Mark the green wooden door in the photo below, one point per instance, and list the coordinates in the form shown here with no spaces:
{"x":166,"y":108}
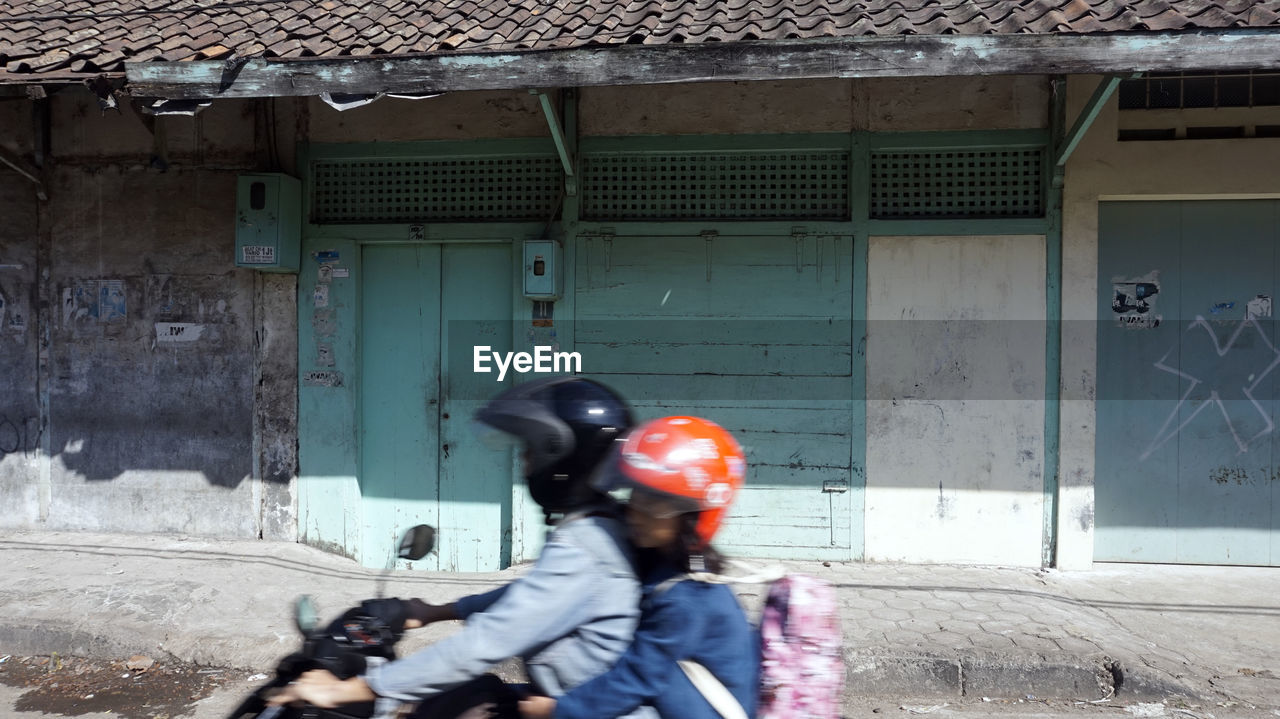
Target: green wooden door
{"x":423,"y":307}
{"x":1187,"y":358}
{"x":754,"y":333}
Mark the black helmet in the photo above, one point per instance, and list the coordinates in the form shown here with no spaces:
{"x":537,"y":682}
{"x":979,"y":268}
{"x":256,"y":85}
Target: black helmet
{"x":567,"y":426}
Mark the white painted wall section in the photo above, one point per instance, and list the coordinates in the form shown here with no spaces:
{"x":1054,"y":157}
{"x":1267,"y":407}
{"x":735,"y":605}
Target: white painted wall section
{"x":955,"y":399}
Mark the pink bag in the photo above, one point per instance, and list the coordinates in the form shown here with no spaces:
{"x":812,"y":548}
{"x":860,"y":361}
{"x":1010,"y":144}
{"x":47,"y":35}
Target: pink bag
{"x":802,"y":670}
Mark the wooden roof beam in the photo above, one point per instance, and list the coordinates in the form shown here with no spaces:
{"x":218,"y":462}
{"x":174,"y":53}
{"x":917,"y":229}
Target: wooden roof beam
{"x":899,"y":56}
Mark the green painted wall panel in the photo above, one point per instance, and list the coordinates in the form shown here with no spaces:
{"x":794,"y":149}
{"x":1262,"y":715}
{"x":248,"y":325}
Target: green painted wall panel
{"x":400,"y":394}
{"x":757,"y":358}
{"x":776,"y":309}
{"x":475,"y":480}
{"x":623,"y":277}
{"x":328,"y":402}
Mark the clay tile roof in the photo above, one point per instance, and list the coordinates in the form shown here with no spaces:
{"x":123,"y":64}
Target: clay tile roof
{"x":46,"y":37}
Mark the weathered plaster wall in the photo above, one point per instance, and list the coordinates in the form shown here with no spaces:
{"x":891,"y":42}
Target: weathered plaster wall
{"x":1001,"y":102}
{"x":1103,"y":167}
{"x":225,"y":133}
{"x":717,"y":107}
{"x":452,"y":116}
{"x":955,"y":408}
{"x":276,"y":402}
{"x":171,"y":374}
{"x":151,"y":393}
{"x":880,"y":105}
{"x":20,"y":428}
{"x":15,"y":118}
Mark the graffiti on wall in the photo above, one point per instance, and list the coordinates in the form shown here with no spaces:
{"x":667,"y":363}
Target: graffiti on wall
{"x":1222,"y":377}
{"x":18,"y":435}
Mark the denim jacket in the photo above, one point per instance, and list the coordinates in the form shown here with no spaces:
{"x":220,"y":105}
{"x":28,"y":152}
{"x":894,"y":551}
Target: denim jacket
{"x":689,"y":620}
{"x":569,"y":618}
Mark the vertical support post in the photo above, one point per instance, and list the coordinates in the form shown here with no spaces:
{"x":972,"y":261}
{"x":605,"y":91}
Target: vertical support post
{"x":860,"y":218}
{"x":1055,"y":174}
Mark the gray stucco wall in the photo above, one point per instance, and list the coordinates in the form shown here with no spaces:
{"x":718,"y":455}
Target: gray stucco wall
{"x":165,"y":362}
{"x":19,"y":406}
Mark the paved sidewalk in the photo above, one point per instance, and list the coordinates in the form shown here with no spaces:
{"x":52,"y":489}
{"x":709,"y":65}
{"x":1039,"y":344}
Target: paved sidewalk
{"x":1130,"y":631}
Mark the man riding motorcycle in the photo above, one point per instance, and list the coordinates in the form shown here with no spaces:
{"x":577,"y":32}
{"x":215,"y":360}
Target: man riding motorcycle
{"x":569,"y":617}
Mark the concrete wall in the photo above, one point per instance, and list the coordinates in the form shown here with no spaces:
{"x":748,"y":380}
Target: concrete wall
{"x":1103,"y":168}
{"x":879,"y":105}
{"x":162,"y":357}
{"x":20,"y":419}
{"x":452,"y":116}
{"x":955,"y":408}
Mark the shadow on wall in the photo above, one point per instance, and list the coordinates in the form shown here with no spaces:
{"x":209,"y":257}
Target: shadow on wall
{"x":154,"y":373}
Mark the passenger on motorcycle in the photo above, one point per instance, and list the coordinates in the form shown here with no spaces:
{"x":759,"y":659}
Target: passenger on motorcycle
{"x":682,"y":474}
{"x":571,"y":616}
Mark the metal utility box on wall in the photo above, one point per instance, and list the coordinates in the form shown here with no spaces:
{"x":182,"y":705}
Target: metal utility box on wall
{"x":542,"y":271}
{"x":268,"y":221}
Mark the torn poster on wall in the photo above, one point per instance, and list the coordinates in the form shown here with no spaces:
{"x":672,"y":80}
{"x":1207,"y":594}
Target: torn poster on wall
{"x":1134,"y":301}
{"x":111,"y":301}
{"x":101,"y":300}
{"x":12,"y":318}
{"x":1258,"y":308}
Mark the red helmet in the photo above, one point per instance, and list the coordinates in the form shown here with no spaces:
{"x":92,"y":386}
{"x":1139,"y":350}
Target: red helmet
{"x":693,"y":463}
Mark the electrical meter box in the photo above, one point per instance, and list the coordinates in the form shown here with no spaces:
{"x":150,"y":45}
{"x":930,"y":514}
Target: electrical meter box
{"x":268,"y":222}
{"x":542,"y":270}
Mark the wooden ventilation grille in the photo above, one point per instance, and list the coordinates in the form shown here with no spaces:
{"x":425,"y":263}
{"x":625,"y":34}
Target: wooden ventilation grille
{"x":450,"y":189}
{"x":938,"y":184}
{"x":774,"y":185}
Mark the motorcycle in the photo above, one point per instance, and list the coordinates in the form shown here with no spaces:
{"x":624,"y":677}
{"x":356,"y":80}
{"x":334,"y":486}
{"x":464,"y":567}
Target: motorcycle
{"x":344,"y":646}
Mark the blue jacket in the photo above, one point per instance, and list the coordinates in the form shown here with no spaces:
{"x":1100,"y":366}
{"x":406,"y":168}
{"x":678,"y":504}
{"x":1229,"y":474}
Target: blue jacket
{"x":690,"y":620}
{"x":569,"y":618}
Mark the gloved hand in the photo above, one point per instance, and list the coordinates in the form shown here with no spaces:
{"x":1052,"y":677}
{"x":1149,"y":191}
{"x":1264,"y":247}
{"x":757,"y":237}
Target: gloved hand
{"x":421,"y":614}
{"x":390,"y":611}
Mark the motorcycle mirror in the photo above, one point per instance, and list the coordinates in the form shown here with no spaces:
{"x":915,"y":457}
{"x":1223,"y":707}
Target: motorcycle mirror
{"x":417,"y":542}
{"x":304,"y":614}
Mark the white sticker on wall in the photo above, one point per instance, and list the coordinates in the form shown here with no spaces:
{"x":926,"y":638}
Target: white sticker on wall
{"x":322,"y":296}
{"x":1258,"y":308}
{"x":258,"y":255}
{"x":178,"y":332}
